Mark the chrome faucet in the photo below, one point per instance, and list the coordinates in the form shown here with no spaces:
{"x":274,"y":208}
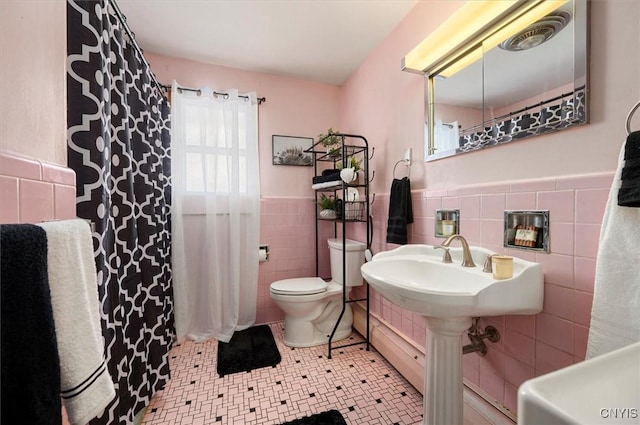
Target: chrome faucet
{"x":467,"y":260}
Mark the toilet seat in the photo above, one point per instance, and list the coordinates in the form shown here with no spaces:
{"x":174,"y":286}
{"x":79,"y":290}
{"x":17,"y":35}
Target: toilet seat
{"x":299,"y":286}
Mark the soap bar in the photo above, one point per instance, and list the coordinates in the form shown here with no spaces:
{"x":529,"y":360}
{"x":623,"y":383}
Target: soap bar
{"x":526,"y":236}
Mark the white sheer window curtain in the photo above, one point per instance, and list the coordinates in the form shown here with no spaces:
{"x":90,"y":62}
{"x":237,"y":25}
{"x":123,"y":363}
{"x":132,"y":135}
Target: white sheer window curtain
{"x":215,"y":212}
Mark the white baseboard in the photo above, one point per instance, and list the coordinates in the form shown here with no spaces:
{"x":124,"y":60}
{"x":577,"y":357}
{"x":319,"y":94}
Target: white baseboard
{"x":408,"y":360}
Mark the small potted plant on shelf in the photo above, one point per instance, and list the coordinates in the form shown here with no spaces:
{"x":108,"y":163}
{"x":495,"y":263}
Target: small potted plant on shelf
{"x":330,"y":141}
{"x":352,"y":162}
{"x":327,"y":207}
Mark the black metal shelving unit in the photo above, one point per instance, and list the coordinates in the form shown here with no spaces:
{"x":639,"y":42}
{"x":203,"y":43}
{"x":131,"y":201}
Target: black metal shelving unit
{"x":351,"y":145}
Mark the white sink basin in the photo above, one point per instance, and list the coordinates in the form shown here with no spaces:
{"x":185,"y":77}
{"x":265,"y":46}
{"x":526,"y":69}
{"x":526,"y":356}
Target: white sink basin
{"x":448,"y":295}
{"x":414,"y":277}
{"x":602,"y":390}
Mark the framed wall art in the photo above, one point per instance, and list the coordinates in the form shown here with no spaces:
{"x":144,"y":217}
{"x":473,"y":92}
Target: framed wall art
{"x":290,"y":150}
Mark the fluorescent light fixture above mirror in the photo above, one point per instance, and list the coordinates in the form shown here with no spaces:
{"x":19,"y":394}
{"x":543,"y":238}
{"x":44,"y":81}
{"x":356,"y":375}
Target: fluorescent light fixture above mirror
{"x":476,"y":27}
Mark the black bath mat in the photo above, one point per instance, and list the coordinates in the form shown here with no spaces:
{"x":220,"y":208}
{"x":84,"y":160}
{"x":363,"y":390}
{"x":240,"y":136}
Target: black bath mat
{"x":332,"y":417}
{"x":248,"y":349}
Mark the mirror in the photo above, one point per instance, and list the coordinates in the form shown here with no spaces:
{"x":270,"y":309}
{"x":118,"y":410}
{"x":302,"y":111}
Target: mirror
{"x":510,"y":95}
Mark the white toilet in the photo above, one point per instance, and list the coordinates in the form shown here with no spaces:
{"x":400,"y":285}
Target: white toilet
{"x":312,"y":306}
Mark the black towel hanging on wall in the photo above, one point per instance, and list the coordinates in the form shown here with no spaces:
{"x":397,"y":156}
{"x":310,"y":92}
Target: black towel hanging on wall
{"x":400,"y":211}
{"x":30,"y":363}
{"x":629,"y":192}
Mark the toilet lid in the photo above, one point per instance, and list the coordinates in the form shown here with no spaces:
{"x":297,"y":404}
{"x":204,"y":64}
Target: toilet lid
{"x":299,"y":286}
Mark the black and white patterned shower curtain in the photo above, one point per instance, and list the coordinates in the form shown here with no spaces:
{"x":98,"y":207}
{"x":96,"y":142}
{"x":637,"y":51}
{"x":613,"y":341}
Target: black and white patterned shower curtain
{"x":118,"y":145}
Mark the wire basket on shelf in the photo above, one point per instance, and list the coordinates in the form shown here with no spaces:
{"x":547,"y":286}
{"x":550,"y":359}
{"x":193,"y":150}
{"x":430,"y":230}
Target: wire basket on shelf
{"x":354,"y":210}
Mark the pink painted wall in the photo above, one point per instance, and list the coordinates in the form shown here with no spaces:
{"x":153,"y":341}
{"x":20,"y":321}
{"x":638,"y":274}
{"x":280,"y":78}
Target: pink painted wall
{"x":293,"y":108}
{"x":35,"y":184}
{"x":386,"y":105}
{"x":466,"y":117}
{"x":33,"y":51}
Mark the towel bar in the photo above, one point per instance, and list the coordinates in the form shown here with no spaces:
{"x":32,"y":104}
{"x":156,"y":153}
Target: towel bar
{"x":407,"y":163}
{"x":631,"y":112}
{"x":91,"y":223}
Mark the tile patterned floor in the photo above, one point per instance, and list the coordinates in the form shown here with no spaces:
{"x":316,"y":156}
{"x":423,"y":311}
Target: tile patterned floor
{"x":361,"y":384}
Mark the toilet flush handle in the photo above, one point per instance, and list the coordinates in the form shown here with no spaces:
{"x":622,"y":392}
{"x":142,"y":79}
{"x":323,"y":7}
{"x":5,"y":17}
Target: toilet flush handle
{"x":368,"y":255}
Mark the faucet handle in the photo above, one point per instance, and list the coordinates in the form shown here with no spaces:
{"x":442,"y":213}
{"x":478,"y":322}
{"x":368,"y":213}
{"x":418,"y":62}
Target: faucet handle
{"x":446,"y":257}
{"x":487,"y":263}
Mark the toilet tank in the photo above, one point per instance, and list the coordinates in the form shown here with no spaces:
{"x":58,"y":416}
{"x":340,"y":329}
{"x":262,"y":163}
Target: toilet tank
{"x":355,"y":259}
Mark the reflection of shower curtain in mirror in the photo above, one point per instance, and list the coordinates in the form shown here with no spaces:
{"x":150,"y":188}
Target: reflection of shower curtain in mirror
{"x":446,"y":136}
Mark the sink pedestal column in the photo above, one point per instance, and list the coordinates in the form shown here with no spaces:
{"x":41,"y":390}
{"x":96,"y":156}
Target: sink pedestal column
{"x":443,"y":401}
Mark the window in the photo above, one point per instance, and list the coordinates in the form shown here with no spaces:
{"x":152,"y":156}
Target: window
{"x":215,"y":148}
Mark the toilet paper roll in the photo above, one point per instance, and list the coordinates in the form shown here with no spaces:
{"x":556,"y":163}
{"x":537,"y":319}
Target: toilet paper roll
{"x":264,"y":256}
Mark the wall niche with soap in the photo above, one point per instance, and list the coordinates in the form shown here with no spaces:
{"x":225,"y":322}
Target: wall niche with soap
{"x":447,"y":223}
{"x":527,"y":230}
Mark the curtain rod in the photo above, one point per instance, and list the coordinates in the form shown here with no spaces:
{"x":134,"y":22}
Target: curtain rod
{"x":168,"y":87}
{"x":525,"y":109}
{"x":132,"y":38}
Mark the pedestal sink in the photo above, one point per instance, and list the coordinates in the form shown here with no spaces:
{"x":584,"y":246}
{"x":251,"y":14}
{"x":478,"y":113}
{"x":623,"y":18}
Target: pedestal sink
{"x":449,"y":295}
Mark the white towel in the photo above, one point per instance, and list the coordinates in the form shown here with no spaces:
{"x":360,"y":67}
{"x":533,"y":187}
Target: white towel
{"x":615,"y":316}
{"x":326,"y":184}
{"x":86,"y":386}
